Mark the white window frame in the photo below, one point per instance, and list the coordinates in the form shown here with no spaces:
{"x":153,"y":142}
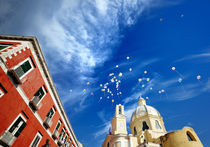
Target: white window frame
{"x":42,"y":97}
{"x":56,"y":125}
{"x":20,"y":115}
{"x":18,"y":65}
{"x":1,"y":93}
{"x":61,"y":139}
{"x":37,"y":134}
{"x":66,"y":138}
{"x":53,"y":113}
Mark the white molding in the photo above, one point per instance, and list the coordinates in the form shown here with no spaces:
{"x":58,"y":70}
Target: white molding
{"x":26,"y":100}
{"x":57,"y":102}
{"x":32,"y":44}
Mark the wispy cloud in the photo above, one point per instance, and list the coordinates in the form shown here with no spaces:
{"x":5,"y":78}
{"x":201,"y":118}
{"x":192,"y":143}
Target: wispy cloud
{"x":195,"y":56}
{"x":76,"y":36}
{"x":129,"y":111}
{"x":104,"y":128}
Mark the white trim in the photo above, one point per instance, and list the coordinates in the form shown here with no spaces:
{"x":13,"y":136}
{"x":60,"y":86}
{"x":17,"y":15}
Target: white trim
{"x":20,"y":115}
{"x":43,"y":95}
{"x":32,"y":44}
{"x":53,"y":113}
{"x":65,"y":137}
{"x":19,"y":64}
{"x":50,"y":90}
{"x":1,"y":44}
{"x":37,"y":134}
{"x":1,"y":93}
{"x":56,"y":126}
{"x":63,"y":134}
{"x":26,"y":100}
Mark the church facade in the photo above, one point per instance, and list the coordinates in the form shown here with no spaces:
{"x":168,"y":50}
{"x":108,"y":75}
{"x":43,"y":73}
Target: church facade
{"x":147,"y":130}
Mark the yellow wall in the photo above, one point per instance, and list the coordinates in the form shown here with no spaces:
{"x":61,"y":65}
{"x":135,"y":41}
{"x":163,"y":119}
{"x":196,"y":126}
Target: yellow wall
{"x":179,"y":139}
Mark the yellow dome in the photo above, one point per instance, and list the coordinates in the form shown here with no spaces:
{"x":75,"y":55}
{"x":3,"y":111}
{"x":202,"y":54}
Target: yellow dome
{"x":143,"y":109}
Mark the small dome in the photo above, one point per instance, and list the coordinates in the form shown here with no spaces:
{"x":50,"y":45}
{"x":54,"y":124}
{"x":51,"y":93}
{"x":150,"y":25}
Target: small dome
{"x":143,"y":109}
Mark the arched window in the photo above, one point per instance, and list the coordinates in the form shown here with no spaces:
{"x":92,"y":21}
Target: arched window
{"x":108,"y":144}
{"x":144,"y":126}
{"x":120,"y":111}
{"x":157,"y":125}
{"x":190,"y":137}
{"x":135,"y":132}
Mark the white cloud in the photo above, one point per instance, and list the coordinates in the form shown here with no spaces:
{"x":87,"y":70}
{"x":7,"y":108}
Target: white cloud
{"x":140,"y":92}
{"x":195,"y":56}
{"x":74,"y":34}
{"x":105,"y":129}
{"x":129,"y":111}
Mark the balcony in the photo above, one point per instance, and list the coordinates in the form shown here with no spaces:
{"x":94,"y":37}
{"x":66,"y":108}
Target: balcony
{"x":47,"y":122}
{"x":55,"y":134}
{"x":34,"y":103}
{"x":7,"y":139}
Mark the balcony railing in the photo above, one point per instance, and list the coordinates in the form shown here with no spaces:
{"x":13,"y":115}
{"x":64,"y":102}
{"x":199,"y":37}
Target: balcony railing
{"x":55,"y":134}
{"x":34,"y":103}
{"x":47,"y":122}
{"x":7,"y":138}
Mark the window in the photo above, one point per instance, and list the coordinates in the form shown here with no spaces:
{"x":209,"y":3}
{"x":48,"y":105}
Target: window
{"x":36,"y":140}
{"x":1,"y":93}
{"x":23,"y":68}
{"x":18,"y":126}
{"x":157,"y":125}
{"x":2,"y":90}
{"x":190,"y":137}
{"x":50,"y":113}
{"x":62,"y":134}
{"x":120,"y":111}
{"x":58,"y":125}
{"x":37,"y":98}
{"x":39,"y":95}
{"x":14,"y":130}
{"x":108,"y":144}
{"x":47,"y":121}
{"x":135,"y":132}
{"x":66,"y":138}
{"x":145,"y":126}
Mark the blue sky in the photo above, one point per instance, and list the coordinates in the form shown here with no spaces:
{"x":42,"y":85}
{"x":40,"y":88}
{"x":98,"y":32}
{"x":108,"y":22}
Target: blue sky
{"x":83,"y":41}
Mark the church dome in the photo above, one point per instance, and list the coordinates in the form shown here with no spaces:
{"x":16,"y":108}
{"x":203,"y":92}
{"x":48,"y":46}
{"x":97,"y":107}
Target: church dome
{"x":143,"y":110}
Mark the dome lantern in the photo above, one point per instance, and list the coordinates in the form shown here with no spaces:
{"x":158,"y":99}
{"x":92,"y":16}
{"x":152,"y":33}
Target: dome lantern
{"x":141,"y":101}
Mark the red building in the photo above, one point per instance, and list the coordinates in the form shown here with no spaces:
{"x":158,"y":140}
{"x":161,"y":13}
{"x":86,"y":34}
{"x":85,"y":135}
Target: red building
{"x":31,"y":112}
